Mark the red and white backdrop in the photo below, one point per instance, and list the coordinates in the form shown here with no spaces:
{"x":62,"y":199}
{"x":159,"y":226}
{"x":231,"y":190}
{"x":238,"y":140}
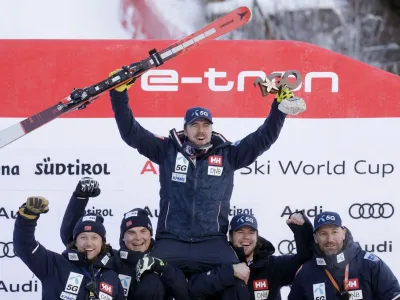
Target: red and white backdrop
{"x":341,"y":154}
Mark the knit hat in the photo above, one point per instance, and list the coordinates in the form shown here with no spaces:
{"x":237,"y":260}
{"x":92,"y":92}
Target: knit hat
{"x":136,"y":217}
{"x":90,"y":223}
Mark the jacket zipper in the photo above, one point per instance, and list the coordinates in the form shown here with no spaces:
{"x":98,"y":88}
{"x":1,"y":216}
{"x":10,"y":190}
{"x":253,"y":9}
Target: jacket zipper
{"x":219,"y":212}
{"x":166,"y":217}
{"x":194,"y":199}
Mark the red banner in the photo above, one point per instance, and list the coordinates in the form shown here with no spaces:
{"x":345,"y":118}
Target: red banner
{"x":38,"y":73}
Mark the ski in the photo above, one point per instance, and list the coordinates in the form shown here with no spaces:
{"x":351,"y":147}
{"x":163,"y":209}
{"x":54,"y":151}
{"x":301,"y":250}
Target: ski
{"x":79,"y":98}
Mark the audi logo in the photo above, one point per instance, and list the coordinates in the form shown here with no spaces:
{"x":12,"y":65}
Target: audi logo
{"x":7,"y":250}
{"x":287,"y":247}
{"x":371,"y":211}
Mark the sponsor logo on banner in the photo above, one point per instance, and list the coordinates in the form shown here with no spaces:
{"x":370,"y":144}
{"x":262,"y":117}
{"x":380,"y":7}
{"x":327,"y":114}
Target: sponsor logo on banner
{"x":106,"y":288}
{"x":172,"y":80}
{"x":215,"y":160}
{"x":125,"y":282}
{"x":106,"y":212}
{"x":104,"y":296}
{"x":319,"y":291}
{"x":386,"y":246}
{"x":73,"y":283}
{"x":233,"y":211}
{"x":311,"y":212}
{"x":287,"y":247}
{"x":12,"y":287}
{"x":8,"y":214}
{"x":7,"y":250}
{"x":181,"y":163}
{"x":178,"y":177}
{"x":371,"y":210}
{"x":7,"y":170}
{"x":76,"y":168}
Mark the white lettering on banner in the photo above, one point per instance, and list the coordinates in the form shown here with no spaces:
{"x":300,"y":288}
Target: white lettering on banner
{"x":181,"y":163}
{"x":67,"y":296}
{"x":356,"y":294}
{"x":215,"y":171}
{"x":168,"y":80}
{"x":178,"y":177}
{"x":319,"y":291}
{"x":104,"y":296}
{"x":261,"y":295}
{"x":73,"y":283}
{"x":89,"y":218}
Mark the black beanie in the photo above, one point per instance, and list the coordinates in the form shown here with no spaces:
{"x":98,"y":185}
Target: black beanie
{"x":136,"y":217}
{"x":90,"y":223}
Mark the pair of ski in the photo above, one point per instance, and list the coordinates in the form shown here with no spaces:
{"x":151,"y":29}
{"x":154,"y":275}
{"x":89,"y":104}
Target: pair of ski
{"x":79,"y":98}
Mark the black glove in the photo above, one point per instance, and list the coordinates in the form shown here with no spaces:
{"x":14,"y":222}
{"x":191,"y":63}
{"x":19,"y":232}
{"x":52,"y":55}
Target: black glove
{"x":87,"y":188}
{"x":33,"y":207}
{"x":149,"y":264}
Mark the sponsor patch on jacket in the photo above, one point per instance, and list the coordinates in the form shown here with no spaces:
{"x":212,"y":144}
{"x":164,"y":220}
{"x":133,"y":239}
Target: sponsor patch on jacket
{"x":356,"y":294}
{"x":215,"y":160}
{"x":353,"y":284}
{"x":105,"y":260}
{"x":125,"y":282}
{"x":319,"y":291}
{"x":321,"y":261}
{"x":123,"y":254}
{"x":261,"y":290}
{"x":104,"y":296}
{"x":181,"y":163}
{"x":372,"y":257}
{"x":73,"y":283}
{"x":215,"y":171}
{"x":178,"y":177}
{"x":340,"y":257}
{"x":67,"y":296}
{"x":106,"y":288}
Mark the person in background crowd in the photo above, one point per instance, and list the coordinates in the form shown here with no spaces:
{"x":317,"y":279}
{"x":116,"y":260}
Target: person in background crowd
{"x":340,"y":269}
{"x":135,"y":240}
{"x":82,"y":271}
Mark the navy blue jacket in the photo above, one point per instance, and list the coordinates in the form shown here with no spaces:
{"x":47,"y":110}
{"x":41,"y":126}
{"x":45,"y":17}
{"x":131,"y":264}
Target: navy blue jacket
{"x":125,"y":260}
{"x":369,"y":277}
{"x":64,"y":276}
{"x":194,"y":203}
{"x":268,"y":273}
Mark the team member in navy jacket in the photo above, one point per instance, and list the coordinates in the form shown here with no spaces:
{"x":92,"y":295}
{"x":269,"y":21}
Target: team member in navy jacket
{"x":82,"y":272}
{"x":135,"y":241}
{"x":197,"y":168}
{"x":267,"y":273}
{"x":340,"y":269}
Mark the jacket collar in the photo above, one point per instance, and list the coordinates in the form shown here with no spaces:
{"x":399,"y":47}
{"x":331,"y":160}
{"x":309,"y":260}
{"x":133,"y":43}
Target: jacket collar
{"x":131,"y":256}
{"x":104,"y":260}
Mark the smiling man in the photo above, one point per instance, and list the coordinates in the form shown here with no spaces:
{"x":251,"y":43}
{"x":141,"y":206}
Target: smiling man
{"x":197,"y":168}
{"x":340,"y":269}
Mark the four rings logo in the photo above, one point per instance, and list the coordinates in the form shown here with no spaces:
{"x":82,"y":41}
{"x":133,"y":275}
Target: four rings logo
{"x":7,"y":250}
{"x":371,"y":211}
{"x":287,"y":247}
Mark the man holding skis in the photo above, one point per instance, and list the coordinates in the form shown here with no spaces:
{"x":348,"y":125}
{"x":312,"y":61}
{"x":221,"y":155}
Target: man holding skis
{"x":197,"y":166}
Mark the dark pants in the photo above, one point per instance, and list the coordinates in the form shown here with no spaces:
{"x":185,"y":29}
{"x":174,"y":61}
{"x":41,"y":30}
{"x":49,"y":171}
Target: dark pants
{"x":196,"y":257}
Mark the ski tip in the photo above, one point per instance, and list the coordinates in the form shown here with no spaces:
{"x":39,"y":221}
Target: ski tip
{"x":245,"y":14}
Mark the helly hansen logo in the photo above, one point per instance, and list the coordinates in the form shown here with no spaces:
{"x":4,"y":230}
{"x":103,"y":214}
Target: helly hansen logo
{"x":261,"y":284}
{"x":106,"y":288}
{"x":353,"y":284}
{"x":215,"y":160}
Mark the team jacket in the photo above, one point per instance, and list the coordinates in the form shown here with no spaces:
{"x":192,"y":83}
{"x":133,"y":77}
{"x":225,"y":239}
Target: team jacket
{"x":65,"y":276}
{"x":194,"y":196}
{"x":268,"y":273}
{"x":125,"y":260}
{"x":369,"y":277}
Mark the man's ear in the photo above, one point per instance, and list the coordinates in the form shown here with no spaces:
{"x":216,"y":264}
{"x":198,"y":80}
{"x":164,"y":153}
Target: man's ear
{"x":315,"y":238}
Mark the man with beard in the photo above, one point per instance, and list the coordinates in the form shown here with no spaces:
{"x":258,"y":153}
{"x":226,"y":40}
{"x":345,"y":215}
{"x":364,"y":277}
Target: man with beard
{"x":135,"y":241}
{"x":266,"y":273}
{"x":340,"y":269}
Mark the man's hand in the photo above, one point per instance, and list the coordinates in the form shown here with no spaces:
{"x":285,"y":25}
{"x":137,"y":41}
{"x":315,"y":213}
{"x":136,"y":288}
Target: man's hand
{"x":288,"y":103}
{"x":124,"y":86}
{"x":296,"y":219}
{"x":149,"y":264}
{"x":33,"y":207}
{"x":241,"y":271}
{"x":87,"y":188}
